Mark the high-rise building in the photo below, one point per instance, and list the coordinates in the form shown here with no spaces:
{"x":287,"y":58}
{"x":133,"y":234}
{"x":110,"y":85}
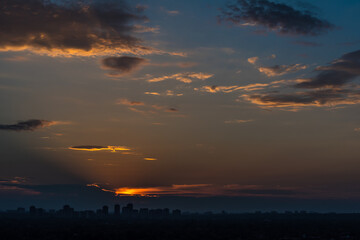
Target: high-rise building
{"x":117,"y":209}
{"x":105,"y":210}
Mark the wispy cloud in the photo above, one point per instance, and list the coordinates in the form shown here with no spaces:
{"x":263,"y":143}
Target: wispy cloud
{"x":279,"y":70}
{"x":183,"y":77}
{"x":166,"y":93}
{"x":278,"y":17}
{"x":247,"y":88}
{"x":143,"y":108}
{"x":15,"y":186}
{"x":238,"y":121}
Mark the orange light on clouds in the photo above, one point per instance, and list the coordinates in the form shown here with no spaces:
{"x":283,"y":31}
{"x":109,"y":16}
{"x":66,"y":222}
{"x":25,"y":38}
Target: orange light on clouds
{"x":100,"y":148}
{"x":150,"y":159}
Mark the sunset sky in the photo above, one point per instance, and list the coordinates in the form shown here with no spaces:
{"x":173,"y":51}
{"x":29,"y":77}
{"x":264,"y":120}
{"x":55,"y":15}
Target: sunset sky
{"x":207,"y":104}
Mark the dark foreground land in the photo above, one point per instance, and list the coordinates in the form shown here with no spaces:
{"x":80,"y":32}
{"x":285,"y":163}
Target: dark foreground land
{"x":211,"y":226}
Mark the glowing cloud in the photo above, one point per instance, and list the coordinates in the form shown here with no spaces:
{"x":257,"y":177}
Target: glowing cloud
{"x":183,"y":77}
{"x":94,"y":148}
{"x":279,"y":70}
{"x":49,"y":27}
{"x":253,"y":60}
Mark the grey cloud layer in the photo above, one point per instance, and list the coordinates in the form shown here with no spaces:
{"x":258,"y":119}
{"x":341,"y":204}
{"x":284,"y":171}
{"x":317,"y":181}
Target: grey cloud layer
{"x":70,"y":27}
{"x":275,"y":16}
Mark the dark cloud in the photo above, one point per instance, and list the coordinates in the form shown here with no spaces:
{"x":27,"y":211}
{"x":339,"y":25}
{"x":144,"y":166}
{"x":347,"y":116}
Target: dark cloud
{"x":276,"y":17}
{"x":337,"y":74}
{"x":122,"y":65}
{"x":172,"y":110}
{"x":81,"y":28}
{"x":29,"y":125}
{"x":89,"y":147}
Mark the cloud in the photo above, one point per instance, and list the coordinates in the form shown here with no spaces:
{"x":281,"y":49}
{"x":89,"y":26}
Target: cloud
{"x":333,"y":85}
{"x":279,"y":70}
{"x":238,"y":121}
{"x":183,"y":77}
{"x":319,"y":98}
{"x":70,"y":28}
{"x":247,"y":88}
{"x":357,"y":129}
{"x":176,"y":64}
{"x":14,"y":186}
{"x":122,"y":65}
{"x":278,"y":17}
{"x":146,"y":108}
{"x":173,"y":12}
{"x":337,"y":74}
{"x":166,"y":93}
{"x":94,"y":148}
{"x":150,"y":159}
{"x":30,"y":125}
{"x":127,"y":102}
{"x":253,"y":60}
{"x":145,"y":29}
{"x":202,"y":190}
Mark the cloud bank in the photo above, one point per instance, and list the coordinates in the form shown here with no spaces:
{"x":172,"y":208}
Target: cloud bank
{"x":70,"y":28}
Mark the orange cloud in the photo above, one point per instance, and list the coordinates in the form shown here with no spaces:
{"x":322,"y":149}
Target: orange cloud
{"x":253,"y":60}
{"x":93,"y":148}
{"x":183,"y":77}
{"x":203,"y":190}
{"x":279,"y":70}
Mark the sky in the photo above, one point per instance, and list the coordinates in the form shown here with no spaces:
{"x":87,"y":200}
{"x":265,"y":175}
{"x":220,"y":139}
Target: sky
{"x":235,"y":105}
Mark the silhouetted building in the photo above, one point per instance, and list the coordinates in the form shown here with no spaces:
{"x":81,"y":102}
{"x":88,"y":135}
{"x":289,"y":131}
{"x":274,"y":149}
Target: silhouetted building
{"x":117,"y":210}
{"x":67,"y":211}
{"x":20,"y":210}
{"x":105,"y":210}
{"x":144,"y":212}
{"x":32,"y":210}
{"x":176,"y":213}
{"x":128,"y":210}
